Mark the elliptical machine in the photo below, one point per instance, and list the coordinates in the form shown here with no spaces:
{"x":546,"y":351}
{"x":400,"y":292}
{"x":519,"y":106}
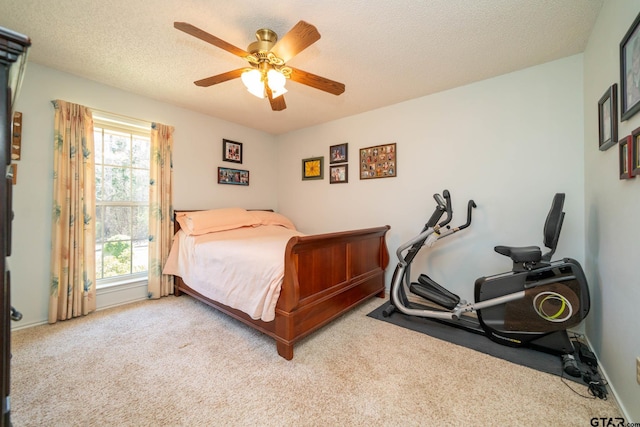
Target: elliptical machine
{"x":532,"y":305}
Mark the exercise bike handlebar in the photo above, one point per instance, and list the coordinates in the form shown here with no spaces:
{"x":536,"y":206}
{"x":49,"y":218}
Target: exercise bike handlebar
{"x":443,"y":205}
{"x":470,"y":206}
{"x":441,"y":208}
{"x":449,"y":209}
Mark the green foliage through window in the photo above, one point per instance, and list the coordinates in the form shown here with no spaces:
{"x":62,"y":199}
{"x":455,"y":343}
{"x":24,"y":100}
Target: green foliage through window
{"x":122,"y":200}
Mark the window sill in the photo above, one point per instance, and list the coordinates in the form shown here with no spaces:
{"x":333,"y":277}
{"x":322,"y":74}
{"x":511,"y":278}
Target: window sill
{"x":121,"y":282}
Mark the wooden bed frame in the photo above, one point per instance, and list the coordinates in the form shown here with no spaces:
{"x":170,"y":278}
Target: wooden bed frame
{"x":325,"y":275}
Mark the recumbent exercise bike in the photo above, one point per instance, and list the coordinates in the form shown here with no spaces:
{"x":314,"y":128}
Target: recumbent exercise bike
{"x":532,"y":305}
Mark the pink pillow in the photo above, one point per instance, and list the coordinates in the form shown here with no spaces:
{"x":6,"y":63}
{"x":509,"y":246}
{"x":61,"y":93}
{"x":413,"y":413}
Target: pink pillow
{"x":273,"y":218}
{"x":210,"y":221}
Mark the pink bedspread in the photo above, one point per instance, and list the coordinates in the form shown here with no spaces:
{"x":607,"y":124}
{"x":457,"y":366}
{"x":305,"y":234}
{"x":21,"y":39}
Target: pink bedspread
{"x":241,"y":268}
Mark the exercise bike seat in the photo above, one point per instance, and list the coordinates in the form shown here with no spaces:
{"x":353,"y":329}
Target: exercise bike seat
{"x":520,"y":254}
{"x":533,"y":254}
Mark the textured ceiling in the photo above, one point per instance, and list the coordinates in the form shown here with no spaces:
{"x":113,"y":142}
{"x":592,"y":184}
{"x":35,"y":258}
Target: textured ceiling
{"x":384,"y":51}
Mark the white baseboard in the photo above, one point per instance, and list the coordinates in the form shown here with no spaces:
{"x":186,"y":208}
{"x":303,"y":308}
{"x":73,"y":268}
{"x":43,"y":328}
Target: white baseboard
{"x":106,"y":297}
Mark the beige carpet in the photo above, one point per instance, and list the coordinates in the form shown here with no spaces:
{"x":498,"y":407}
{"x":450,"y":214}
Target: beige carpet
{"x":176,"y":362}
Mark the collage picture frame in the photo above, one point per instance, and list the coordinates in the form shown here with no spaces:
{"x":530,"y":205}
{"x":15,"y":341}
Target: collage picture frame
{"x":379,"y":161}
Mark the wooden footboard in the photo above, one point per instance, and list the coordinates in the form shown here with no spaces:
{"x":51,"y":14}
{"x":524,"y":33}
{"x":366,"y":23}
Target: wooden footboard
{"x":325,"y":276}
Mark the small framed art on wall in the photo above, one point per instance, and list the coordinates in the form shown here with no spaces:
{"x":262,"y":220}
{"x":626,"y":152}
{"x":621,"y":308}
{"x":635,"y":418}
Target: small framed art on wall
{"x":630,"y":71}
{"x":635,"y":152}
{"x":231,"y":151}
{"x":625,"y":157}
{"x":313,"y":168}
{"x":339,"y":153}
{"x":608,"y":118}
{"x":339,"y":174}
{"x":233,"y":176}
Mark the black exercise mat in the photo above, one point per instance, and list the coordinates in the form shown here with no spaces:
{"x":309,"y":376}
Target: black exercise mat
{"x":538,"y":360}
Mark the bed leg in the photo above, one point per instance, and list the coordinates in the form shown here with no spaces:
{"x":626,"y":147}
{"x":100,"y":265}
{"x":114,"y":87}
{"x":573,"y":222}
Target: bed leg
{"x":285,"y":350}
{"x":177,"y":281}
{"x":382,"y":294}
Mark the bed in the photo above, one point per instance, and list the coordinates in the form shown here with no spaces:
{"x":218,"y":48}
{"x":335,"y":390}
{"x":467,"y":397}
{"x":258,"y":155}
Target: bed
{"x":324,"y":275}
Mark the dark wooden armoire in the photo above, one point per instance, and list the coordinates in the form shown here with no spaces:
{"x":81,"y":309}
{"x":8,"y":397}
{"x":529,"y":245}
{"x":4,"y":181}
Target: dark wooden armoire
{"x":13,"y":53}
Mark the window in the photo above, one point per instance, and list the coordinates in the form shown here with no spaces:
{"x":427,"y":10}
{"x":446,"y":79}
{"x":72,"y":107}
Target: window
{"x":122,"y":200}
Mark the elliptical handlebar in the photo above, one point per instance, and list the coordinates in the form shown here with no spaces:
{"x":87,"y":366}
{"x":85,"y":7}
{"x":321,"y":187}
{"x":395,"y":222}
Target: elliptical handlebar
{"x":449,"y":209}
{"x":470,"y":206}
{"x":441,"y":208}
{"x":444,"y":205}
{"x":433,"y":228}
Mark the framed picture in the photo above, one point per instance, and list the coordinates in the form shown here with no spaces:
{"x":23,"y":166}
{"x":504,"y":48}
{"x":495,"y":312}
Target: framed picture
{"x":635,"y":152}
{"x":339,"y":174}
{"x":231,"y":151}
{"x":313,"y":168}
{"x":16,"y":136}
{"x":379,"y":161}
{"x":608,"y":118}
{"x":625,"y":157}
{"x":233,"y":176}
{"x":338,"y":153}
{"x":630,"y":71}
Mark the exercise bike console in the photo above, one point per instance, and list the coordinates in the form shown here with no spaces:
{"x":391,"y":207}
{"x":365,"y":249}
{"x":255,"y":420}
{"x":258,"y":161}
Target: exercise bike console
{"x":532,"y":305}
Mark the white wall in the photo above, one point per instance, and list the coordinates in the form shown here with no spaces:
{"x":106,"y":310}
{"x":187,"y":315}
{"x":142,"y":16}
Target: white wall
{"x":510,"y":143}
{"x":197,"y":154}
{"x":612,"y":209}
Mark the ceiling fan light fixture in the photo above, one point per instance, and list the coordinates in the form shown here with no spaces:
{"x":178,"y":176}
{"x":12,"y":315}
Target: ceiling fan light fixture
{"x":267,"y":73}
{"x":252,"y":79}
{"x":276,"y":81}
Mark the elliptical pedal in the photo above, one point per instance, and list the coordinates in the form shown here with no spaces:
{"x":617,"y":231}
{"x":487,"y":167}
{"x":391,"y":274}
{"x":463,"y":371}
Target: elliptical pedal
{"x":430,"y":290}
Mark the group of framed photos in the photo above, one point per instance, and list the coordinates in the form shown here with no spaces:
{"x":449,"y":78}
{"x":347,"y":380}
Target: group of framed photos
{"x":232,"y":152}
{"x":374,"y":162}
{"x":338,"y":173}
{"x":313,"y":167}
{"x":628,"y":146}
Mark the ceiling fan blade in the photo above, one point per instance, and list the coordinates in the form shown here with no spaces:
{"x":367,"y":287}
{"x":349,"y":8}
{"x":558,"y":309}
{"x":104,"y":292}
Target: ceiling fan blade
{"x":317,"y":82}
{"x":203,"y":35}
{"x":277,"y":104}
{"x":300,"y":37}
{"x":213,"y":80}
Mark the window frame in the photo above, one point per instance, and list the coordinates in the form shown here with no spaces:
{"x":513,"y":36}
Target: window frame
{"x":132,"y":127}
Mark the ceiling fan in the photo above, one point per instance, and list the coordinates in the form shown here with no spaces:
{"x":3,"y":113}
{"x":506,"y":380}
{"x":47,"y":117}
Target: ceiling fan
{"x":267,"y":57}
